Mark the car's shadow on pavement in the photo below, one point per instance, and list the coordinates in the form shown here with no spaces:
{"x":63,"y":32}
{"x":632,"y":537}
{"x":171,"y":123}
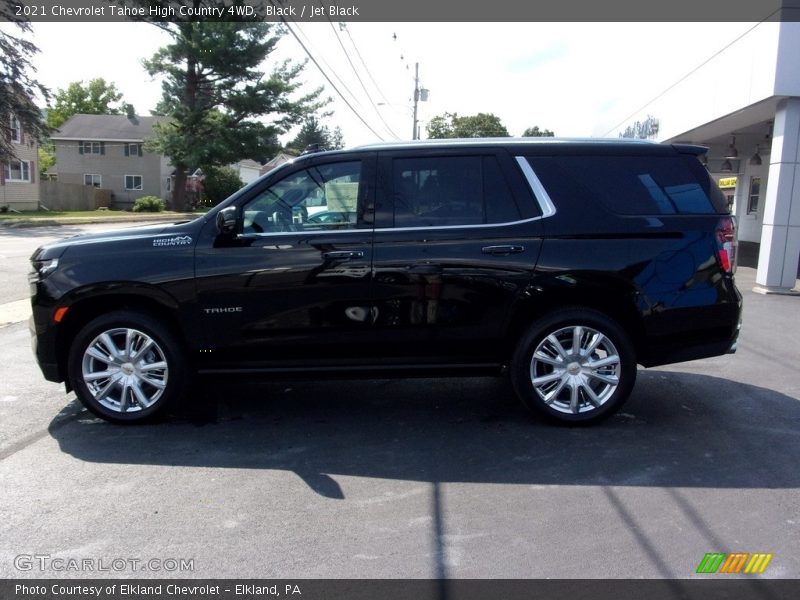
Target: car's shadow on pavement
{"x":677,"y":430}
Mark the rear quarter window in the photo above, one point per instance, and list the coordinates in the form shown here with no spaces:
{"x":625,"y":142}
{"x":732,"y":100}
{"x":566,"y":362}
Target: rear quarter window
{"x":633,"y":185}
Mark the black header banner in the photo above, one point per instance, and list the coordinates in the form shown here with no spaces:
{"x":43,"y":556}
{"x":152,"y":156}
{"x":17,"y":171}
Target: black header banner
{"x":401,"y":11}
{"x":744,"y":588}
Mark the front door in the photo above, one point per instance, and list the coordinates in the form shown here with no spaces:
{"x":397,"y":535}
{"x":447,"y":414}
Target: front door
{"x":294,"y":286}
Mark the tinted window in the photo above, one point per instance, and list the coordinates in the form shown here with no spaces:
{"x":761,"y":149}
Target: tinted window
{"x":318,"y":198}
{"x":632,"y":185}
{"x":449,"y":191}
{"x":500,"y":205}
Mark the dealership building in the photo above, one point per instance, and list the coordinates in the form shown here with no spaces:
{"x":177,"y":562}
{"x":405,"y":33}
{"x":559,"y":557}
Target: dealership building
{"x":744,"y":104}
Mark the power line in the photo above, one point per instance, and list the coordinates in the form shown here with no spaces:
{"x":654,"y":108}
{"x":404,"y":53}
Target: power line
{"x":403,"y":58}
{"x":328,"y":66}
{"x":375,"y":83}
{"x":361,"y":81}
{"x":325,"y":75}
{"x":689,"y":74}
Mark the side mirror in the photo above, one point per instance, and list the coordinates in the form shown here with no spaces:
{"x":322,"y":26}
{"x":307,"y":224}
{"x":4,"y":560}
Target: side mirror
{"x":226,"y":221}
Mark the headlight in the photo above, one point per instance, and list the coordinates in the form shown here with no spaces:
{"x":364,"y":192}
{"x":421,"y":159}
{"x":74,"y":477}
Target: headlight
{"x":41,"y":269}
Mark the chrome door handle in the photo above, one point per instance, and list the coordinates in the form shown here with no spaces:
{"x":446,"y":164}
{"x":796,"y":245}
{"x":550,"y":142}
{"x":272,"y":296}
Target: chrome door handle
{"x":503,"y":249}
{"x":344,"y":254}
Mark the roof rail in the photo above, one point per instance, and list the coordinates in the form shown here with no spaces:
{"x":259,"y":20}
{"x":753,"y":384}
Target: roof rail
{"x":313,"y":148}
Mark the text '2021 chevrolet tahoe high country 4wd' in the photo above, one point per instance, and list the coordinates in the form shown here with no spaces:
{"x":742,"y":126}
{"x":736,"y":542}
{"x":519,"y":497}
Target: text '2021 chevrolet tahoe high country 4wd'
{"x":563,"y":263}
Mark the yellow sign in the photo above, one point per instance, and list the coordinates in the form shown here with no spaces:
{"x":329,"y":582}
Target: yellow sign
{"x":727,"y":182}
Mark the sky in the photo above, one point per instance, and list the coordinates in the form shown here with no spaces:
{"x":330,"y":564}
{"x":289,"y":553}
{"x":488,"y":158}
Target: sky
{"x":576,"y":79}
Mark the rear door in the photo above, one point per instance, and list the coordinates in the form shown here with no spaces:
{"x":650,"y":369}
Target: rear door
{"x":645,"y":220}
{"x":457,"y":237}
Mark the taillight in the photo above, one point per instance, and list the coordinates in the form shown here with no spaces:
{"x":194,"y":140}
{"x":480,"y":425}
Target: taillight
{"x":726,"y":243}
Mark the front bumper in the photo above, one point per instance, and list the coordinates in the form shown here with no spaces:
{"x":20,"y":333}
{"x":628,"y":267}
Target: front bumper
{"x":44,"y":351}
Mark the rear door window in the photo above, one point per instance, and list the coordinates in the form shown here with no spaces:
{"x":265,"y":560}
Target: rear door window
{"x":446,"y":191}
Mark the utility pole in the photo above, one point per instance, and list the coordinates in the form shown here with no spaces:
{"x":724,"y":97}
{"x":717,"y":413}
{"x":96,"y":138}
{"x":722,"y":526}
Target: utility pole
{"x":420,"y":95}
{"x":414,"y":135}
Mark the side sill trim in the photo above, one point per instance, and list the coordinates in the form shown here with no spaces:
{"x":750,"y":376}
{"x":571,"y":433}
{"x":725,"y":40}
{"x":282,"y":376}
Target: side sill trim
{"x":334,"y":369}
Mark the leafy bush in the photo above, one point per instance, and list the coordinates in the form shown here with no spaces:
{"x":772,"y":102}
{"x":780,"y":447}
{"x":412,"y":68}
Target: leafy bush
{"x":219,"y":183}
{"x":148,"y":204}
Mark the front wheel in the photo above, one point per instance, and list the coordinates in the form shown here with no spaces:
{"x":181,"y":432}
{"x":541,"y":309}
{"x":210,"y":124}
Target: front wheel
{"x":126,"y":367}
{"x":574,"y":366}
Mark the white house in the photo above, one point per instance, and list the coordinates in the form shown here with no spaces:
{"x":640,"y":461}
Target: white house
{"x":248,"y":170}
{"x":19,"y":184}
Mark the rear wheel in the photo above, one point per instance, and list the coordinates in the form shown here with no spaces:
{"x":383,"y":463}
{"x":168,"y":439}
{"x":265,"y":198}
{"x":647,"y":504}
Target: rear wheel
{"x":126,"y":367}
{"x":575,"y":366}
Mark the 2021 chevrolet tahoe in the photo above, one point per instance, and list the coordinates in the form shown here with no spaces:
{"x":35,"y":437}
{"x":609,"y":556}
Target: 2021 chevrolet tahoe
{"x":563,"y":263}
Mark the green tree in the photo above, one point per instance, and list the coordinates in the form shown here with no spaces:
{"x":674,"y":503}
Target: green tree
{"x":450,"y":125}
{"x":47,"y":157}
{"x":314,"y":132}
{"x":18,"y":88}
{"x":94,"y":98}
{"x":337,"y":139}
{"x":219,"y":183}
{"x":536,"y":132}
{"x":440,"y":126}
{"x":222,"y":106}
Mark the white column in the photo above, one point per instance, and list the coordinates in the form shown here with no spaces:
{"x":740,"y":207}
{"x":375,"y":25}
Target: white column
{"x":780,"y":233}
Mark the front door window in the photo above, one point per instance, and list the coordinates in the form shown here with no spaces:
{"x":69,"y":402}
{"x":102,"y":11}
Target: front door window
{"x":320,"y":198}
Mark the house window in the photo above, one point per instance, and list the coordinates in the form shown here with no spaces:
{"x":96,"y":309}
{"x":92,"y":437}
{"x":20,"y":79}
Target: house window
{"x":16,"y":130}
{"x":169,"y":184}
{"x":93,"y":179}
{"x":133,"y":149}
{"x":17,"y":170}
{"x":133,"y":182}
{"x":755,"y":192}
{"x":92,"y":148}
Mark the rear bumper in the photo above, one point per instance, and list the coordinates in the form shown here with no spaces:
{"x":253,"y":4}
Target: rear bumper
{"x":666,"y":355}
{"x":680,"y":337}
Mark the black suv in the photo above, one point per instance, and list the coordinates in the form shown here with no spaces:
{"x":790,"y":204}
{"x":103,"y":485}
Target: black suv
{"x":562,"y":263}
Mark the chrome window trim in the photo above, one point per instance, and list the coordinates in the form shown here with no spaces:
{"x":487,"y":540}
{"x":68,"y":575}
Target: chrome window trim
{"x":541,"y":195}
{"x":385,"y":229}
{"x":542,"y":198}
{"x":476,"y":226}
{"x":255,"y":236}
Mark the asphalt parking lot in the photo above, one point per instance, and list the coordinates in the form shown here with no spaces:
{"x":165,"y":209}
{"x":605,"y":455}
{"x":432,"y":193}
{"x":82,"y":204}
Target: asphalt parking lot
{"x":416,"y":479}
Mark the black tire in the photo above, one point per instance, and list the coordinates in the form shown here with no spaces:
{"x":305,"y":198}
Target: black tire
{"x":146,"y":387}
{"x":566,"y":380}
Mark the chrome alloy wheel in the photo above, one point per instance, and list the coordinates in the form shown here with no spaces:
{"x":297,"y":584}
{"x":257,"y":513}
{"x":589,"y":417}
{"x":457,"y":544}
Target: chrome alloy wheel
{"x":124,"y":370}
{"x":575,"y":369}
